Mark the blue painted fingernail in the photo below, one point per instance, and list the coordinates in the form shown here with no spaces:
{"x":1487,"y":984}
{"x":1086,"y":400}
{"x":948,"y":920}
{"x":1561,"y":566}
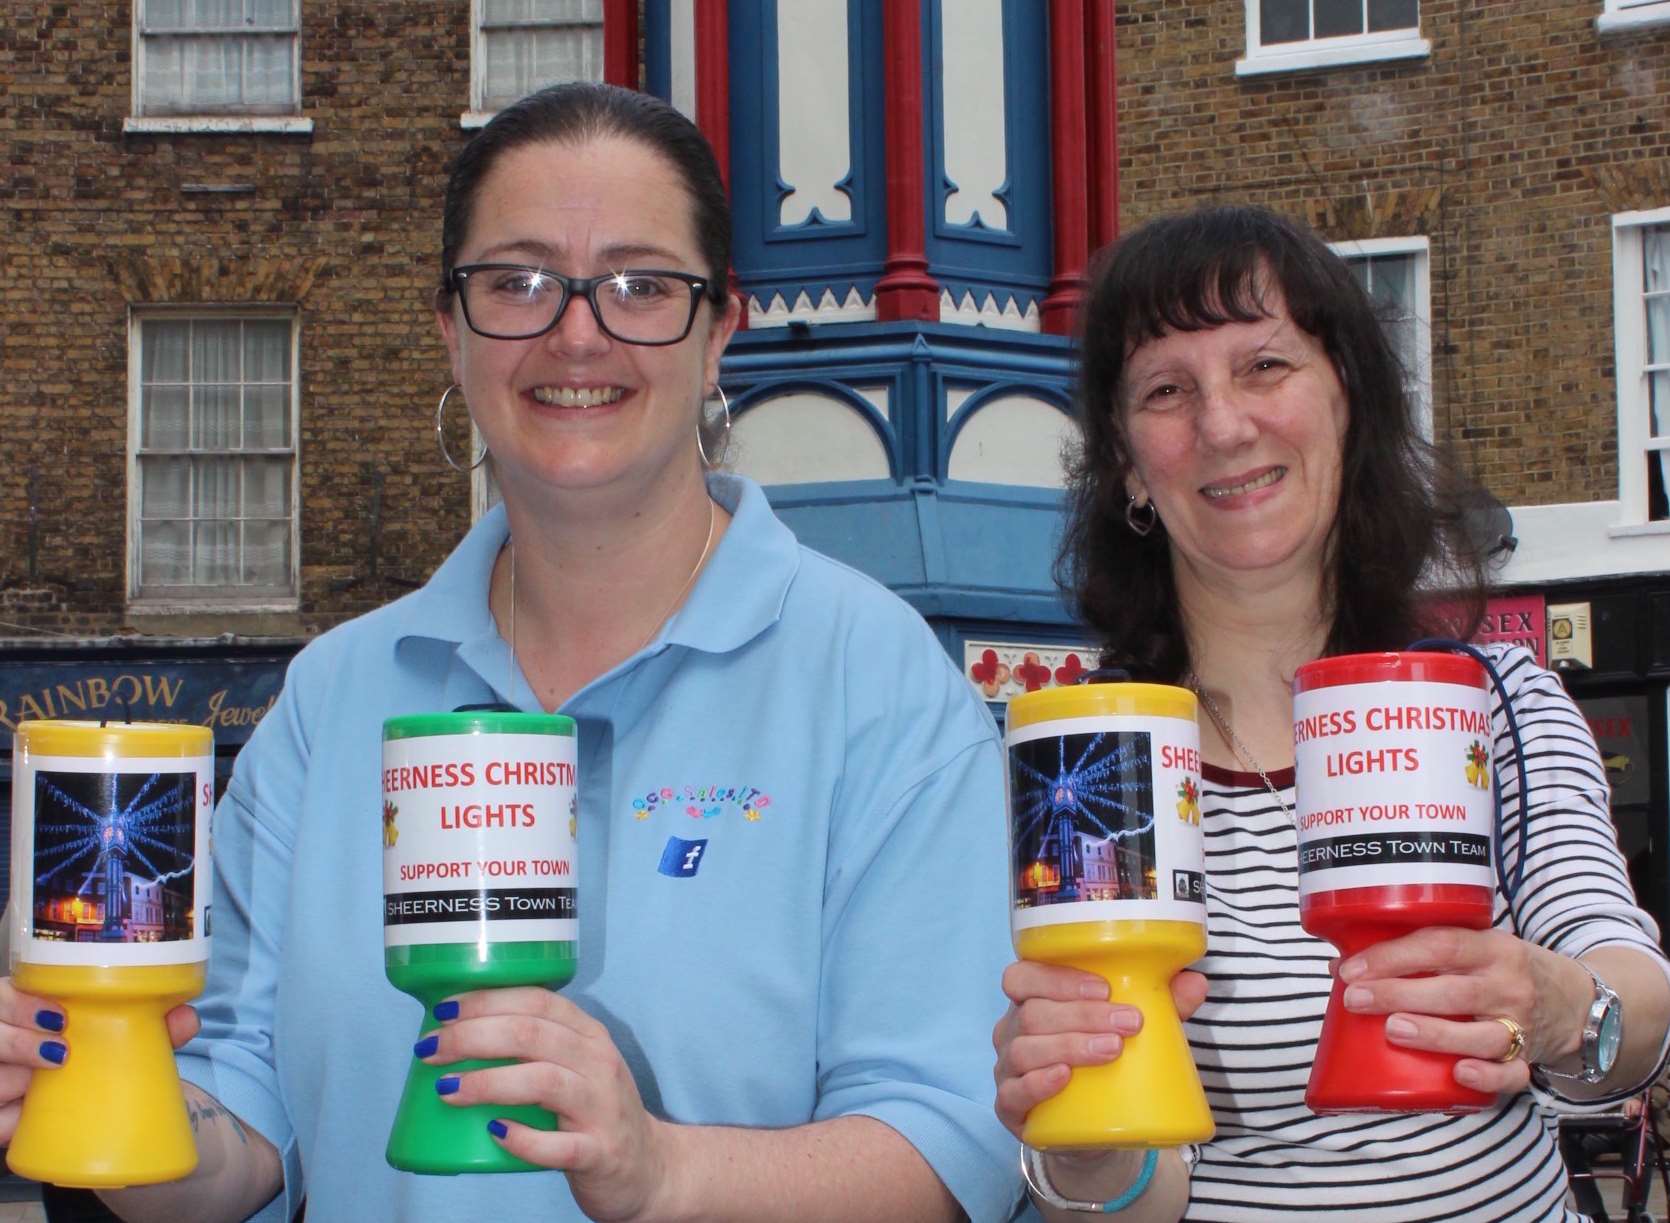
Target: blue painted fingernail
{"x":426,"y":1047}
{"x":497,"y":1128}
{"x":52,"y":1021}
{"x":446,"y":1010}
{"x":53,"y":1052}
{"x":446,"y":1085}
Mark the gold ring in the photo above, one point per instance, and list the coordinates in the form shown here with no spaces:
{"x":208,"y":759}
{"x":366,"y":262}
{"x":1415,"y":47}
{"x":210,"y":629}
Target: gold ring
{"x":1516,"y":1038}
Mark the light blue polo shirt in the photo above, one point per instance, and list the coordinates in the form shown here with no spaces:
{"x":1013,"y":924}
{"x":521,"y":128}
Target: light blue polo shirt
{"x":835,"y":948}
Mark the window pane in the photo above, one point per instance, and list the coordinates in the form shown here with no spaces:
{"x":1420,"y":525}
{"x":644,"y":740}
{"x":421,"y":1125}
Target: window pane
{"x":1658,"y":404}
{"x":165,"y":554}
{"x":166,"y":14}
{"x":217,"y":14}
{"x":217,"y":553}
{"x":267,"y":553}
{"x":267,"y":71}
{"x":1655,"y":244}
{"x":1393,"y":15}
{"x":164,"y":87}
{"x":1338,"y":17}
{"x":1283,"y":21}
{"x":567,"y":10}
{"x":216,"y":423}
{"x":1658,"y":329}
{"x":163,"y":352}
{"x":566,"y":55}
{"x":267,"y":489}
{"x":214,"y":351}
{"x":266,"y":417}
{"x":266,"y":350}
{"x":212,"y":69}
{"x":503,"y":10}
{"x":163,"y":417}
{"x":165,"y":485}
{"x":215,"y":494}
{"x":274,"y":13}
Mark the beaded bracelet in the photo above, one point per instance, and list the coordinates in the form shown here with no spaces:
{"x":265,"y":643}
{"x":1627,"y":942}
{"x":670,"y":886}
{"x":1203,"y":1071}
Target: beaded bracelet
{"x":1038,"y":1180}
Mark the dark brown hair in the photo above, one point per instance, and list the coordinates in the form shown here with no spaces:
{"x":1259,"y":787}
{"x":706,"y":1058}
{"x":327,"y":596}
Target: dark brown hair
{"x":576,"y":112}
{"x":1401,"y":524}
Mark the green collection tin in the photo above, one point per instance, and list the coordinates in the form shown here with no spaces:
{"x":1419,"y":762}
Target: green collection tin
{"x":480,"y":813}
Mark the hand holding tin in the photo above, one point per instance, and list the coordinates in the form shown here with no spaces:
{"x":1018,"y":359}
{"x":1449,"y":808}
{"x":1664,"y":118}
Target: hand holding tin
{"x":548,"y":1053}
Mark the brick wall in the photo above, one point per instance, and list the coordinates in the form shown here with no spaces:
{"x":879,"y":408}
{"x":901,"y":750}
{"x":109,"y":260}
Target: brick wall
{"x":343,"y":224}
{"x":1510,"y":147}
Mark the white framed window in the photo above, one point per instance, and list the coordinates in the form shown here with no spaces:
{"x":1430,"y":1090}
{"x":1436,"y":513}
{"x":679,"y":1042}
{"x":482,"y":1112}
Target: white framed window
{"x":234,"y":60}
{"x":212,"y":499}
{"x":519,"y":46}
{"x":1396,"y":272}
{"x":1632,"y":14}
{"x":1641,"y":327}
{"x":1291,"y":35}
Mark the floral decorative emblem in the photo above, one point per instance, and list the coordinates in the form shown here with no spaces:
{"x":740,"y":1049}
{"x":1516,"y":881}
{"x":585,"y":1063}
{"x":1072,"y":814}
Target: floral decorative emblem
{"x":1188,"y":801}
{"x":1069,"y":671}
{"x":391,"y":834}
{"x":1478,"y":765}
{"x":1033,"y":673}
{"x":989,"y":673}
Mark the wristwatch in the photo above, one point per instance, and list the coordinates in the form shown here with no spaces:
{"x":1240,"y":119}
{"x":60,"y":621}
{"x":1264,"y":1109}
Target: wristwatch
{"x":1603,"y":1034}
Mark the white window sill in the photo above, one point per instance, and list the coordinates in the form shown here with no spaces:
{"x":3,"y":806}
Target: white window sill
{"x":1642,"y":17}
{"x":1636,"y":529}
{"x":1304,"y":57}
{"x":160,"y":607}
{"x":223,"y":125}
{"x":470,"y":120}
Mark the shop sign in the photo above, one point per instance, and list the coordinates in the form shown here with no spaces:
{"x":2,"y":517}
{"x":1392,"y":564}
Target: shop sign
{"x":1516,"y":620}
{"x":1619,"y":724}
{"x":230,"y":696}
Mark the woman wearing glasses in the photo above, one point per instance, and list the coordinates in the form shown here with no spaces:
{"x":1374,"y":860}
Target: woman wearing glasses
{"x":770,"y":1027}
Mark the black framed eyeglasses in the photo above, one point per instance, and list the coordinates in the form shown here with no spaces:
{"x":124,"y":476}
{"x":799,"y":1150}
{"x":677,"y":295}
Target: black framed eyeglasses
{"x":513,"y":301}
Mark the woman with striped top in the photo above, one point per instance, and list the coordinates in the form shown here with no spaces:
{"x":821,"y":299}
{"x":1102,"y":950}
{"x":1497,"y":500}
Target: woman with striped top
{"x":1251,"y":494}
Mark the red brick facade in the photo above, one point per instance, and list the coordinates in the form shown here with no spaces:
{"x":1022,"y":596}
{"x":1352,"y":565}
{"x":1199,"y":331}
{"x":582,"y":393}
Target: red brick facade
{"x":1510,"y":147}
{"x":342,"y":224}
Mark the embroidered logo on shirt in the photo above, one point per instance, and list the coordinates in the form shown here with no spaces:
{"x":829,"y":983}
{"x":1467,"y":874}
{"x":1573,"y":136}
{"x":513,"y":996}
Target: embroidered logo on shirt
{"x":681,"y":858}
{"x":703,"y":802}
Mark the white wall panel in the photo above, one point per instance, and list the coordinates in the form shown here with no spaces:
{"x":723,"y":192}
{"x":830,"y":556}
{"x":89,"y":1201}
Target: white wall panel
{"x":976,"y":152}
{"x":1013,"y":439}
{"x":814,"y":142}
{"x":803,"y":437}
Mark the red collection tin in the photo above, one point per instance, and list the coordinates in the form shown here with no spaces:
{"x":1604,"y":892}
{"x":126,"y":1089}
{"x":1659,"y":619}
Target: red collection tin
{"x":1395,"y":813}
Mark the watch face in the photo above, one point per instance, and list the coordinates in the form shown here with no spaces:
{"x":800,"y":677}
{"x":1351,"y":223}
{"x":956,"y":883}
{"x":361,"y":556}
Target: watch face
{"x":1610,"y":1036}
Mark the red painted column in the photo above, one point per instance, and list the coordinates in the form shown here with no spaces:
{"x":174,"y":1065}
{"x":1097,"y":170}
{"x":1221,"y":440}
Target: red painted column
{"x":905,"y":290}
{"x":620,"y":42}
{"x":1104,"y":126}
{"x":713,"y":96}
{"x":1069,"y":165}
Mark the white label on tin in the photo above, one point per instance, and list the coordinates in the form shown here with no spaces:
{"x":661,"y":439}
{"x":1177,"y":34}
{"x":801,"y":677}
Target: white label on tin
{"x":1394,"y":785}
{"x":1104,"y":820}
{"x":478,"y":839}
{"x":110,"y":859}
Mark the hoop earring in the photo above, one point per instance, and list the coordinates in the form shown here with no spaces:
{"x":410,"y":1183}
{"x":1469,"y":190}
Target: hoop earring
{"x":701,"y":447}
{"x":440,"y":435}
{"x":1140,"y":526}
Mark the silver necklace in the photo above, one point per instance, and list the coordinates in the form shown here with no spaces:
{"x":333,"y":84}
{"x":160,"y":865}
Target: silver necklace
{"x":712,"y":524}
{"x":1192,"y":682}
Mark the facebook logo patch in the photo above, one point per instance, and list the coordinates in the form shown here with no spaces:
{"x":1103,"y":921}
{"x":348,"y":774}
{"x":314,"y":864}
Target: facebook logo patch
{"x":682,"y":858}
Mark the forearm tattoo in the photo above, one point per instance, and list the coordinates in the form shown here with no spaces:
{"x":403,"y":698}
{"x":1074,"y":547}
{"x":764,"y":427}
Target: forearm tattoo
{"x":207,"y":1110}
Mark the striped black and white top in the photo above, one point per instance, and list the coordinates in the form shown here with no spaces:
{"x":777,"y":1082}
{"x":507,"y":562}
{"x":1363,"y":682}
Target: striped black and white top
{"x":1255,"y":1036}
